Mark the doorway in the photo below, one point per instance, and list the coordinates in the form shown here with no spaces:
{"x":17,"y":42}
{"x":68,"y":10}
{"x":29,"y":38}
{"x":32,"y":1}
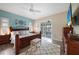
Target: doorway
{"x":46,"y":29}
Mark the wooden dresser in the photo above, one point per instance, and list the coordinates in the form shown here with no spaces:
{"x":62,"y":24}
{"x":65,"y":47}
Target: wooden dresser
{"x":70,"y":42}
{"x":4,"y":39}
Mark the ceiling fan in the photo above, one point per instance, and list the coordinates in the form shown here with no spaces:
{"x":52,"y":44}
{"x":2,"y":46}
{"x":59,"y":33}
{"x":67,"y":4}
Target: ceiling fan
{"x":31,"y":9}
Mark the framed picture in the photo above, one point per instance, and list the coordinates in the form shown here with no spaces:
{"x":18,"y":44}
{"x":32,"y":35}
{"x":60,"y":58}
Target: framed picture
{"x":19,"y":22}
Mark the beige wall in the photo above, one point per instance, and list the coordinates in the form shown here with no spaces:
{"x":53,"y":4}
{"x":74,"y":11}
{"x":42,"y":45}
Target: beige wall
{"x":74,"y":7}
{"x":58,"y":22}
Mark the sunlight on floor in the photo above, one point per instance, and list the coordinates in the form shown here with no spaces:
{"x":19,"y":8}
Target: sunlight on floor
{"x":49,"y":40}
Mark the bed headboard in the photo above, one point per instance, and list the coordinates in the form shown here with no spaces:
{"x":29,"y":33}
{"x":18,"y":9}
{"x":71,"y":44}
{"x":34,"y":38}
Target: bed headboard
{"x":18,"y":29}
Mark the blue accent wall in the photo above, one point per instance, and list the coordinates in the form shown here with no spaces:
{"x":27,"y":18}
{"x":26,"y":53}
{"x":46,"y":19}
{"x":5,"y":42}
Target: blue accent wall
{"x":13,"y":18}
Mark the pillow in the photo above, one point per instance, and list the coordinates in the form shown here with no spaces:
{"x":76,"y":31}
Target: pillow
{"x":23,"y":32}
{"x":20,"y":32}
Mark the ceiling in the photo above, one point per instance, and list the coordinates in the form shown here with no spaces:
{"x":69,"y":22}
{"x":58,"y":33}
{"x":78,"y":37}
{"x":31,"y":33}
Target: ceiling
{"x":46,"y":9}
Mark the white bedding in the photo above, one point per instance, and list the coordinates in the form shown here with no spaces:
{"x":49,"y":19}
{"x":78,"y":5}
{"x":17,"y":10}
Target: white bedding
{"x":21,"y":35}
{"x":26,"y":35}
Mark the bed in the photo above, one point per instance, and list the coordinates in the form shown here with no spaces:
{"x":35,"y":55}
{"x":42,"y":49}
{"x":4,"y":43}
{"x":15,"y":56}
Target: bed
{"x":23,"y":41}
{"x":23,"y":38}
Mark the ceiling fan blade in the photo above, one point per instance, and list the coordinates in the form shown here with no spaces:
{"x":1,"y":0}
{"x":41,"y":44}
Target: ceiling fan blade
{"x":31,"y":10}
{"x":37,"y":11}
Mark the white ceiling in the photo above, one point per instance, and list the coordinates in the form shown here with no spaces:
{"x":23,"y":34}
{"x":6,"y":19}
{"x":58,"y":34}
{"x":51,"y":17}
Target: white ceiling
{"x":46,"y":9}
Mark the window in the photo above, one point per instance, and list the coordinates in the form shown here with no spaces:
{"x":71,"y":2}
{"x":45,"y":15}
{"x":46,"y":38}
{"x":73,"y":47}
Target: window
{"x":4,"y":26}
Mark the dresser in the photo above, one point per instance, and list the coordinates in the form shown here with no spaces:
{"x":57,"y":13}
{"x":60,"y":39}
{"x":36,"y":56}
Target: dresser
{"x":5,"y":39}
{"x":70,"y":42}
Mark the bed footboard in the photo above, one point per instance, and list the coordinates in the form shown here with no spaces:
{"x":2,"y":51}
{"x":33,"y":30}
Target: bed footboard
{"x":23,"y":42}
{"x":17,"y":45}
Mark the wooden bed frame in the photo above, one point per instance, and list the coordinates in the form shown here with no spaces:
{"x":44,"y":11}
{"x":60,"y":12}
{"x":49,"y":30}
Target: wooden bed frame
{"x":23,"y":42}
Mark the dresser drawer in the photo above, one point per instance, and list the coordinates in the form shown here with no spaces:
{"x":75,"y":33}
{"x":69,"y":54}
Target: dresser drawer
{"x":73,"y":47}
